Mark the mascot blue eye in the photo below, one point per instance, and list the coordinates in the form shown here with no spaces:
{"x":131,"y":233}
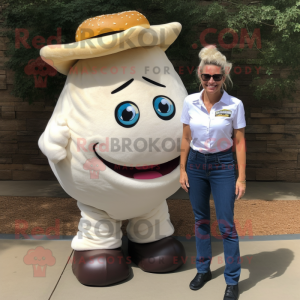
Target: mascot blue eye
{"x":127,"y":114}
{"x":164,"y":107}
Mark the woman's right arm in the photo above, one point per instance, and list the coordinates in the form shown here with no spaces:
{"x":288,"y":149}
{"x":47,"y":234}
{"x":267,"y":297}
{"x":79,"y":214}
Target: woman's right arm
{"x":185,"y":148}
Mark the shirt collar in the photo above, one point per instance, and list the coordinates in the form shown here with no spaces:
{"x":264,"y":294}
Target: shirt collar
{"x":223,"y":99}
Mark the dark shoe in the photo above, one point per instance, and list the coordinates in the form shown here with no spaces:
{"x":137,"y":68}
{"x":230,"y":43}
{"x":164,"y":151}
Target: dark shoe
{"x":165,"y":255}
{"x":199,"y":280}
{"x":231,"y":292}
{"x":100,"y":267}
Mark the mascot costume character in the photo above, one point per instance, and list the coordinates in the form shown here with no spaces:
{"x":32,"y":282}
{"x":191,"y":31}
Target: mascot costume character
{"x":113,"y":143}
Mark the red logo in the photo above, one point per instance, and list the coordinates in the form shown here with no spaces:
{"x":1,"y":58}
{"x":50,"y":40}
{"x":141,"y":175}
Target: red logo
{"x":39,"y":258}
{"x":37,"y":67}
{"x":94,"y":165}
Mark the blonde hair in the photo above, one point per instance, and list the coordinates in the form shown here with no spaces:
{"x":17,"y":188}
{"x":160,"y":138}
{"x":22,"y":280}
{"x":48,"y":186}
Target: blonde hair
{"x":210,"y":55}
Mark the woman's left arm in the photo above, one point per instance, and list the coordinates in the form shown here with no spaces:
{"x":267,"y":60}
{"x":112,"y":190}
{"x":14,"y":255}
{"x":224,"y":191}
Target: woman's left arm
{"x":240,"y":146}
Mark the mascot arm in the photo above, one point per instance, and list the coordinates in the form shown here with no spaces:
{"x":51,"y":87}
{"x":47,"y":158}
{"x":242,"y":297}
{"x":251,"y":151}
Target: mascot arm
{"x":55,"y":138}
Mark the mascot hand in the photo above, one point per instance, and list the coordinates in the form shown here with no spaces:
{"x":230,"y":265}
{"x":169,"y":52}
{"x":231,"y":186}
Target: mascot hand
{"x":54,"y":140}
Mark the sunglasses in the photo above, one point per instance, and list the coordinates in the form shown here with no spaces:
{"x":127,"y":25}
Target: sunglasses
{"x":216,"y":77}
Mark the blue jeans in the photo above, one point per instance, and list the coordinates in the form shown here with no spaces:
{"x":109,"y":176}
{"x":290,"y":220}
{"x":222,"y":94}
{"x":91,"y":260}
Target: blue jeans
{"x":214,"y":172}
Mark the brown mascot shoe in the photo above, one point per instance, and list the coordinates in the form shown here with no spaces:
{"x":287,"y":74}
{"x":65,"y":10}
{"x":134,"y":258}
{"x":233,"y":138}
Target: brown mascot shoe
{"x":100,"y":267}
{"x":165,"y":255}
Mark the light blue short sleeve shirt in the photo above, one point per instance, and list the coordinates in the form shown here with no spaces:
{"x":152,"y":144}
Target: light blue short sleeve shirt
{"x":212,"y":132}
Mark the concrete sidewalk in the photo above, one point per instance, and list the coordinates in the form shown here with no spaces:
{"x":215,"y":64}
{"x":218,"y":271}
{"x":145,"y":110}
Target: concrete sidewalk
{"x":270,"y":271}
{"x":255,"y":190}
{"x":270,"y":264}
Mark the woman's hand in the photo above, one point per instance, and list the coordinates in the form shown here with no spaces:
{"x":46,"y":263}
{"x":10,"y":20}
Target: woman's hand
{"x":240,"y":189}
{"x":184,"y":181}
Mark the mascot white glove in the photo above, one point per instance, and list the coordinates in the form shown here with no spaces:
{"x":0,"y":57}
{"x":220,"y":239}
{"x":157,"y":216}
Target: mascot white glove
{"x":54,"y":139}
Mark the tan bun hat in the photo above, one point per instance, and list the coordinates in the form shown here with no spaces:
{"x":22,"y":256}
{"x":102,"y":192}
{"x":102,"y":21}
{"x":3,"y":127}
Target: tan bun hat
{"x":108,"y":34}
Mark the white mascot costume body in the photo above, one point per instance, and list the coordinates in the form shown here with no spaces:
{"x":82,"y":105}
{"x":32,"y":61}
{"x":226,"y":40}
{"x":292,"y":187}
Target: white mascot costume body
{"x":113,"y":142}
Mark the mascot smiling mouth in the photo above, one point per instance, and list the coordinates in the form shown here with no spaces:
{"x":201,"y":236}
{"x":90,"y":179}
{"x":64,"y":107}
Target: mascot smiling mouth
{"x":142,"y":172}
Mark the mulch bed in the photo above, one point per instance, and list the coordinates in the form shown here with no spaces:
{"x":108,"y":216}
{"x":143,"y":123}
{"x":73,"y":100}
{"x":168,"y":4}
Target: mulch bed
{"x":252,"y":217}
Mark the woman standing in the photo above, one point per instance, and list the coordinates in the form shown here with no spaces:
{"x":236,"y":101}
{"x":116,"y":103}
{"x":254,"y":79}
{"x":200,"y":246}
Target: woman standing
{"x":212,"y":120}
